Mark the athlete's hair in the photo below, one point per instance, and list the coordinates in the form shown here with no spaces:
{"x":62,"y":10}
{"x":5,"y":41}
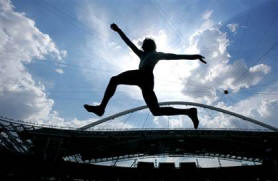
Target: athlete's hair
{"x":148,"y":45}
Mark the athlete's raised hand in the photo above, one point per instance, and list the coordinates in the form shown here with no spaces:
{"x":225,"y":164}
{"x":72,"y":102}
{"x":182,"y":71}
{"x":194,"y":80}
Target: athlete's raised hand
{"x":115,"y":27}
{"x":201,"y":58}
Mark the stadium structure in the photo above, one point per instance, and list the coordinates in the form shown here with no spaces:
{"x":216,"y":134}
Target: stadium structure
{"x":31,"y":151}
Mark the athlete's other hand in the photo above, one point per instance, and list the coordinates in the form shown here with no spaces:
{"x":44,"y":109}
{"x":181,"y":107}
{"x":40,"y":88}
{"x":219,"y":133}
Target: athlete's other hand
{"x":115,"y":27}
{"x":201,"y":58}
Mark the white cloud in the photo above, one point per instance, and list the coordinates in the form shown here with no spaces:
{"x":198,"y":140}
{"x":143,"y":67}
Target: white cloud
{"x":262,"y":107}
{"x":207,"y":14}
{"x":21,"y":42}
{"x":59,"y":71}
{"x":115,"y":124}
{"x":95,"y":17}
{"x":232,"y":27}
{"x":176,"y":122}
{"x":204,"y":83}
{"x":55,"y":120}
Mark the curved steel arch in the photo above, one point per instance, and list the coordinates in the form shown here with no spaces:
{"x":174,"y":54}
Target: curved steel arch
{"x":179,"y":103}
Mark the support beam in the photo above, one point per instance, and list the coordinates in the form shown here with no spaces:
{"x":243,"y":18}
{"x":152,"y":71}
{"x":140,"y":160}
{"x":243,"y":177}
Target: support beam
{"x":180,"y":103}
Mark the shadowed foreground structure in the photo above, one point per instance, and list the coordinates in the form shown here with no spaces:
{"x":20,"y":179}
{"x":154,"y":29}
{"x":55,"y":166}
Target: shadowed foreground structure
{"x":29,"y":168}
{"x":34,"y":152}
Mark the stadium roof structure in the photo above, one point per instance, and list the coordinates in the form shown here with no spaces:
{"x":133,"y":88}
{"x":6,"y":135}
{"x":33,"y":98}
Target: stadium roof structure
{"x":102,"y":145}
{"x":80,"y":145}
{"x":120,"y":144}
{"x":36,"y":151}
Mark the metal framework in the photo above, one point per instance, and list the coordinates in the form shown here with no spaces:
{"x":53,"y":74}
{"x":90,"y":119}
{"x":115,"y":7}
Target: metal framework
{"x":106,"y":145}
{"x":180,"y":103}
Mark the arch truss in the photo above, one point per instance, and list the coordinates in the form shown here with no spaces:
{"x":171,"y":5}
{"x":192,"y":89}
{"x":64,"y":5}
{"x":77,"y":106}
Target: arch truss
{"x":254,"y":121}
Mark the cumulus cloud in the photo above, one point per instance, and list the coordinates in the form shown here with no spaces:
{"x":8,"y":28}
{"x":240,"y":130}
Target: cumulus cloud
{"x":55,"y":120}
{"x":59,"y":71}
{"x":232,"y":27}
{"x":262,"y":106}
{"x":220,"y":73}
{"x":21,"y":42}
{"x":205,"y":83}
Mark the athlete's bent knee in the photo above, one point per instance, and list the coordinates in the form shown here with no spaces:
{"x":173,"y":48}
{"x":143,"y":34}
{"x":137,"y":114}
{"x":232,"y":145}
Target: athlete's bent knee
{"x":114,"y":80}
{"x":155,"y":111}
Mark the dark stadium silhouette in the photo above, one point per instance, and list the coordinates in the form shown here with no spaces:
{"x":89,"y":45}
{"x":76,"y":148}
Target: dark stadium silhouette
{"x":40,"y":152}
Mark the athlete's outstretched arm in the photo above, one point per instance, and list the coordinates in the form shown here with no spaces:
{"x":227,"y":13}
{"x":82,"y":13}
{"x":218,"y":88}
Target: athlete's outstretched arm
{"x":126,"y":40}
{"x":171,"y":56}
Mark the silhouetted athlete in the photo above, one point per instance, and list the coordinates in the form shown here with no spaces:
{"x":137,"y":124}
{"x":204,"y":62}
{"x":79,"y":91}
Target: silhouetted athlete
{"x":144,"y":78}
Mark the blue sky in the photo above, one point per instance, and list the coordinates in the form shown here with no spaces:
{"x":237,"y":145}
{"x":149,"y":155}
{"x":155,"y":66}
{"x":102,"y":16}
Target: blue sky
{"x":67,"y":56}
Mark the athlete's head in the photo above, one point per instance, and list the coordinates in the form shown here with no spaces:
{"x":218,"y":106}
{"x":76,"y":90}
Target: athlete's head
{"x":148,"y":45}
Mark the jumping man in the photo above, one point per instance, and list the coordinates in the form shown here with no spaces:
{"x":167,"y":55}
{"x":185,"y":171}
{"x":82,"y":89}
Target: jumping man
{"x":144,"y":78}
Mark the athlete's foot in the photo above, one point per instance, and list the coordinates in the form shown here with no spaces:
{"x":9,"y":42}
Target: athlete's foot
{"x":194,"y":117}
{"x":94,"y":109}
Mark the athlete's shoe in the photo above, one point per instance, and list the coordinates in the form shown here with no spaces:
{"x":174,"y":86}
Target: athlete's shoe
{"x":94,"y":109}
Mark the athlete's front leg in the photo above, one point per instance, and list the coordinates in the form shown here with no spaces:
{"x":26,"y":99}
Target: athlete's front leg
{"x":109,"y":92}
{"x":128,"y":78}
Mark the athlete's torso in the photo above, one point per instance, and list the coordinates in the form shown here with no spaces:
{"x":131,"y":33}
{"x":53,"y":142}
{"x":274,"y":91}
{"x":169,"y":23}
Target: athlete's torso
{"x":148,"y":60}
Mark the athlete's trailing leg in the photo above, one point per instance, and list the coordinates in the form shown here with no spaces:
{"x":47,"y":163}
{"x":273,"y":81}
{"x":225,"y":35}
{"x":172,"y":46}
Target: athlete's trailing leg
{"x":151,"y":101}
